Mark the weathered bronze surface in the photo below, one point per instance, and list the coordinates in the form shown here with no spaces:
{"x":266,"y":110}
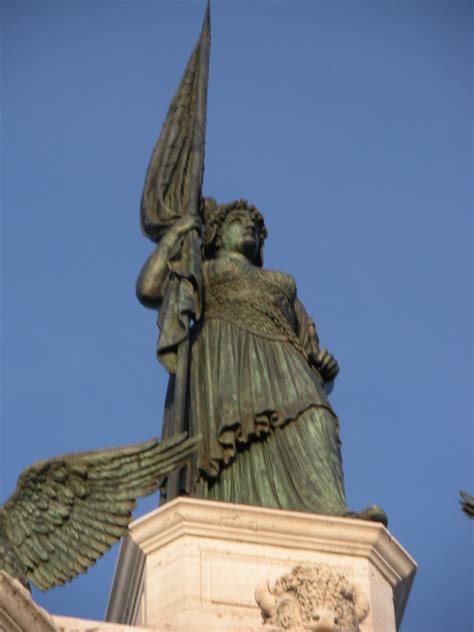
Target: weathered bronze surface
{"x":66,"y":512}
{"x":467,"y":504}
{"x":246,"y":368}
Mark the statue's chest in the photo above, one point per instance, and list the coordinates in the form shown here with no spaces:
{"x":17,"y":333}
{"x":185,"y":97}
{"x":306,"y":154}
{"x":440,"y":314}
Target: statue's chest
{"x":247,"y":282}
{"x":263,"y":300}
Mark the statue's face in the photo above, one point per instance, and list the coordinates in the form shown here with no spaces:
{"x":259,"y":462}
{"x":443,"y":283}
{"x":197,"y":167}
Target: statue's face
{"x":239,"y":234}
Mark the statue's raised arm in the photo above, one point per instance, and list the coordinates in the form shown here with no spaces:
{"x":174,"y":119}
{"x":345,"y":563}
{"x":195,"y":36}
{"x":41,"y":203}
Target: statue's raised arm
{"x":152,"y":283}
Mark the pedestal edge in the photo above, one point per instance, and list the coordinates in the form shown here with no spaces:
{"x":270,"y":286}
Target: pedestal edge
{"x":186,"y":516}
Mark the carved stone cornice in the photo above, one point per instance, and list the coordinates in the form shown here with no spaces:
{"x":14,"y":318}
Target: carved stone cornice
{"x":18,"y":611}
{"x":204,"y":560}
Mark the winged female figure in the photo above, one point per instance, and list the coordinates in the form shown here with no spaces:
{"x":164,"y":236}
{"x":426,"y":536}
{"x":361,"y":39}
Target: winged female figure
{"x":66,"y":512}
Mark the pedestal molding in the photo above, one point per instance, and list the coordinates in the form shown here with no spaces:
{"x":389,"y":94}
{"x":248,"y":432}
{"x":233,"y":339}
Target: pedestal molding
{"x":355,"y":537}
{"x":18,"y":611}
{"x":205,"y":559}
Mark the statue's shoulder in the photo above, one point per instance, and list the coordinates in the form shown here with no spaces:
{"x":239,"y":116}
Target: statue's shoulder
{"x":285,"y":282}
{"x":217,"y":271}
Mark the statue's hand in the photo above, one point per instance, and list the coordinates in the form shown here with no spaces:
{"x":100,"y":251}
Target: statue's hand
{"x":326,"y":364}
{"x":180,"y":228}
{"x":186,"y":224}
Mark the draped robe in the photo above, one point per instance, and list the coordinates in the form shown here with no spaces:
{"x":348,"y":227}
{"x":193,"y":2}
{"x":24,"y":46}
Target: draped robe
{"x":269,"y":434}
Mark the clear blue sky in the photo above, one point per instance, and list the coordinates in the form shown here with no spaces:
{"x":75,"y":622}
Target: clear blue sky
{"x":349,"y":124}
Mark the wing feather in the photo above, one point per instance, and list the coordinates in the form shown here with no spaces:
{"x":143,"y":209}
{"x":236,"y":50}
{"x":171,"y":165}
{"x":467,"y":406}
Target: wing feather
{"x":66,"y":512}
{"x":467,"y":504}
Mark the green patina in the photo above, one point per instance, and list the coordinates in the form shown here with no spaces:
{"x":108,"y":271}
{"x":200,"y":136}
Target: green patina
{"x":246,"y":369}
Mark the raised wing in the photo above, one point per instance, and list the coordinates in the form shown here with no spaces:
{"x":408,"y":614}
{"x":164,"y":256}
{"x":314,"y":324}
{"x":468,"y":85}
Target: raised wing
{"x":67,"y":511}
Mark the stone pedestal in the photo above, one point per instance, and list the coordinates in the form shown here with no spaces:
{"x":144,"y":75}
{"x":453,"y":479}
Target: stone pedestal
{"x":74,"y":624}
{"x":18,"y":611}
{"x":196,"y":565}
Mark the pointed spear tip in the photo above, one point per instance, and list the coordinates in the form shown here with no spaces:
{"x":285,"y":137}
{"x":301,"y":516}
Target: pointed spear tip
{"x":207,"y":15}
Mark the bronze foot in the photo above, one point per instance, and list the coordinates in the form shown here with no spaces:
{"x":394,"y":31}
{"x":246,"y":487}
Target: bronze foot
{"x":375,"y":513}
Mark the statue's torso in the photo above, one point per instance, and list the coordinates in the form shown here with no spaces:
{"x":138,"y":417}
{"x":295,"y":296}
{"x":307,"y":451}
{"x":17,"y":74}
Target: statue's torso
{"x":249,"y":371}
{"x":260,"y":301}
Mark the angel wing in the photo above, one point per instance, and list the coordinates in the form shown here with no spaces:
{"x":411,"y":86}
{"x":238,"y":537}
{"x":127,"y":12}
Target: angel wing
{"x":67,"y":511}
{"x":467,"y":504}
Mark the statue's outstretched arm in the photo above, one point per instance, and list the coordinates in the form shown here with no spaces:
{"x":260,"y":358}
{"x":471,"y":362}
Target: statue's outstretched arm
{"x":152,"y":280}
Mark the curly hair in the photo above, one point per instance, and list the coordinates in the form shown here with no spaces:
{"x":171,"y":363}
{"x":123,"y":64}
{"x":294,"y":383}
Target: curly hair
{"x":214,"y":216}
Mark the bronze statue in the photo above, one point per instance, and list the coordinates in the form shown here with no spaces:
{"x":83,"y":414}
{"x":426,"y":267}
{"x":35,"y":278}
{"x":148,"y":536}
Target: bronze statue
{"x":66,"y":512}
{"x":246,"y":368}
{"x":467,"y":504}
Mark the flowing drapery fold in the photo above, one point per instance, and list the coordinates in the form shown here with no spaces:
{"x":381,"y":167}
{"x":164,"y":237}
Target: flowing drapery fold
{"x":172,"y":190}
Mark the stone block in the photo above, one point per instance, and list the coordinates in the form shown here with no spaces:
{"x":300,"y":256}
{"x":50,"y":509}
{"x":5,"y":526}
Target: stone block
{"x":195,"y":565}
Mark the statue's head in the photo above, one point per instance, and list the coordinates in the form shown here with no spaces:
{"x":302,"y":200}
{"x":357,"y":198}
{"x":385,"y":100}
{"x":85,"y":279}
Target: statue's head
{"x":234,"y":227}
